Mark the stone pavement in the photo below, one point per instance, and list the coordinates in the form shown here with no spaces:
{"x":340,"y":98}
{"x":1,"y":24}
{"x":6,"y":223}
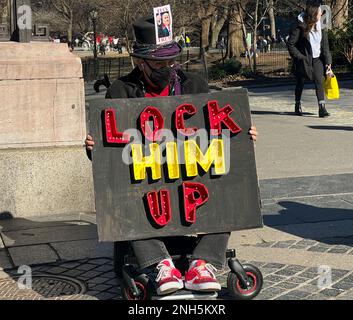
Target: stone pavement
{"x":306,"y":183}
{"x":292,"y":146}
{"x":94,"y":279}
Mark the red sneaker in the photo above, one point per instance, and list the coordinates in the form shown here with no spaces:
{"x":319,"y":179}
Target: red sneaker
{"x":169,"y":278}
{"x":201,"y":277}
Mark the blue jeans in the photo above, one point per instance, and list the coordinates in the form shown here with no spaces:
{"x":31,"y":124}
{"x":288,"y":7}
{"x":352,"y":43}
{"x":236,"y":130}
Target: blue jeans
{"x":210,"y":247}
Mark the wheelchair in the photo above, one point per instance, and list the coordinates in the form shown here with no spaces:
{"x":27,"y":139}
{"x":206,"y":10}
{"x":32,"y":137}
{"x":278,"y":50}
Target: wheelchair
{"x":244,"y":282}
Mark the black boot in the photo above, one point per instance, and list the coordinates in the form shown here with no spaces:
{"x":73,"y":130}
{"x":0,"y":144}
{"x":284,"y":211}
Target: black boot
{"x":322,"y":111}
{"x":298,"y":109}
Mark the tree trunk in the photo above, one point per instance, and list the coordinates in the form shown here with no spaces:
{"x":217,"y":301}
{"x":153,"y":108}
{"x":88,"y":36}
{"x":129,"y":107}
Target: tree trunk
{"x":205,"y":33}
{"x":215,"y":33}
{"x":217,"y":26}
{"x":256,"y":18}
{"x":235,"y":43}
{"x":214,"y":20}
{"x":247,"y":49}
{"x":128,"y":48}
{"x":4,"y":6}
{"x":340,"y":13}
{"x":205,"y":14}
{"x":271,"y":15}
{"x":70,"y":27}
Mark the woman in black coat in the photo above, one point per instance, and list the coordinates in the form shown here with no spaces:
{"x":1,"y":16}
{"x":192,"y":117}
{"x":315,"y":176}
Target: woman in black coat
{"x":309,"y":47}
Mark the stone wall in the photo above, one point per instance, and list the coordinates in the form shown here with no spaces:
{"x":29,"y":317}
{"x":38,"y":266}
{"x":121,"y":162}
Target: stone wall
{"x":43,"y":164}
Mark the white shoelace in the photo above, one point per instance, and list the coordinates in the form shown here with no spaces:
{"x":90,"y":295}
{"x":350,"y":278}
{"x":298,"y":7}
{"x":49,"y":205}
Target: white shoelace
{"x":164,"y":272}
{"x":206,"y":270}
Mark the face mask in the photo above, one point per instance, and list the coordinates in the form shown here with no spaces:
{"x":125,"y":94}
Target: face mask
{"x":160,"y":77}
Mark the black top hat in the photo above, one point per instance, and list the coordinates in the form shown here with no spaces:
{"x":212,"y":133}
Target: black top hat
{"x":145,"y":45}
{"x":313,"y":3}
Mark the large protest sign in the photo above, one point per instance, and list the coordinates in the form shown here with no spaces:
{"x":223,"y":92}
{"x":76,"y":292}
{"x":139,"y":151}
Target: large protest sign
{"x":197,"y":175}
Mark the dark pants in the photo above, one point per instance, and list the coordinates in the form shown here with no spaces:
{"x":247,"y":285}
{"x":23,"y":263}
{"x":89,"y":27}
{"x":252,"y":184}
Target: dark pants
{"x":318,"y":77}
{"x":211,"y":248}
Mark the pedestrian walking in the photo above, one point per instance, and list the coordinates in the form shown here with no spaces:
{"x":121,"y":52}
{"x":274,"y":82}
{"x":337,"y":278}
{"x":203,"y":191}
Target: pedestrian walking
{"x":102,"y":48}
{"x":269,"y":43}
{"x":188,"y":41}
{"x":110,"y":42}
{"x":309,"y":47}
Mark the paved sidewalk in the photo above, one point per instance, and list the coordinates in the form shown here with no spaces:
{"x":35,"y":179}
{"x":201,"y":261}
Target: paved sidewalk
{"x":291,"y":146}
{"x":306,"y":182}
{"x":302,"y":233}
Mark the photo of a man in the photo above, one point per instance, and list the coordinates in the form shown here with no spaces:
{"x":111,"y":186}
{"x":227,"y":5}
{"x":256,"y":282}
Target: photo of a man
{"x":163,"y":24}
{"x":166,"y":24}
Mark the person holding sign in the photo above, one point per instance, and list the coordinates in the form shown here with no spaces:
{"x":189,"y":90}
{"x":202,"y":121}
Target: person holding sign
{"x":157,"y":75}
{"x":309,"y":47}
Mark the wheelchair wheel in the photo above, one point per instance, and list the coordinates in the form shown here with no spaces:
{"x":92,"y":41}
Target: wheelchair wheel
{"x":236,"y":289}
{"x":142,"y":284}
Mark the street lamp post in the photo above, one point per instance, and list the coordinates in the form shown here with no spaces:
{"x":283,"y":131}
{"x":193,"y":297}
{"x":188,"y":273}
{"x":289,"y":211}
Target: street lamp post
{"x":94,"y":15}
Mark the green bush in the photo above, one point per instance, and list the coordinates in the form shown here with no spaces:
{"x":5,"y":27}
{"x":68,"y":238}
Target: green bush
{"x":341,"y":45}
{"x":247,"y":72}
{"x":232,"y":66}
{"x":220,"y":70}
{"x":217,"y":74}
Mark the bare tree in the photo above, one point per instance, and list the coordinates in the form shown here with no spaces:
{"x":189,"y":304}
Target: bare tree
{"x":254,"y":14}
{"x":3,"y":11}
{"x":65,"y":10}
{"x":61,"y":14}
{"x":340,"y":9}
{"x":255,"y":26}
{"x":339,"y":12}
{"x":272,"y":18}
{"x":235,"y":30}
{"x":205,"y":13}
{"x":218,"y":21}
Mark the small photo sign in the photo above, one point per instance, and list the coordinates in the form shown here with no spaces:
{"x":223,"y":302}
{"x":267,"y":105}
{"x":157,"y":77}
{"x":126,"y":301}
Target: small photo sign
{"x":163,"y":24}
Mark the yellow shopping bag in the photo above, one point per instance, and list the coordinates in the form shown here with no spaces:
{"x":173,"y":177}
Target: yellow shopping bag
{"x":332,"y":89}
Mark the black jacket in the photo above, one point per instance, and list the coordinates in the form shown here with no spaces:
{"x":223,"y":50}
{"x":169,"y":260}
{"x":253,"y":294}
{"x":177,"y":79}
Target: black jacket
{"x":299,"y":48}
{"x":131,"y":86}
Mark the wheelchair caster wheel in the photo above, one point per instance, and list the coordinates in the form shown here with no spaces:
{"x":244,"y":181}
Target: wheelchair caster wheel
{"x":143,"y":286}
{"x":239,"y":291}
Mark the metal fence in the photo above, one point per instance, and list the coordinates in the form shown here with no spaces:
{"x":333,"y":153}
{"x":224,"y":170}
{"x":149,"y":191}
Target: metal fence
{"x":273,"y":62}
{"x":119,"y":66}
{"x":113,"y":67}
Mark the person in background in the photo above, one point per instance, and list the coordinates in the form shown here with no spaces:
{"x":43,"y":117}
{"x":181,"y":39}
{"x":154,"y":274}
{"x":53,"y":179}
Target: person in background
{"x":102,"y":48}
{"x":188,"y":41}
{"x":115,"y":43}
{"x":222,"y":44}
{"x":110,"y":42}
{"x":120,"y":47}
{"x":269,"y":44}
{"x":309,"y":47}
{"x":71,"y":46}
{"x":77,"y":42}
{"x":99,"y":39}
